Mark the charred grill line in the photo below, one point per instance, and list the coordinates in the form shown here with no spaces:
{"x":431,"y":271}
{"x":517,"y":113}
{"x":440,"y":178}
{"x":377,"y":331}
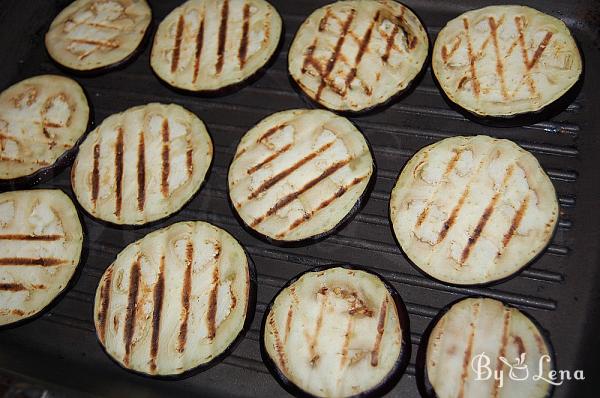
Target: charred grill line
{"x":46,"y":238}
{"x":100,"y":43}
{"x":26,"y":261}
{"x":211,"y":313}
{"x":468,"y":352}
{"x":278,"y":343}
{"x":141,"y":173}
{"x":177,"y":47}
{"x":158,"y":296}
{"x":447,"y":55}
{"x":392,"y":37}
{"x":198,"y":54}
{"x":186,"y":293}
{"x":515,"y":222}
{"x":242,"y":53}
{"x":130,"y":316}
{"x":222,"y":36}
{"x":364,"y":46}
{"x":12,"y":287}
{"x":315,"y":336}
{"x":119,"y":172}
{"x":164,"y":185}
{"x":380,"y":330}
{"x":104,"y":304}
{"x":346,"y":343}
{"x":288,"y":322}
{"x":499,"y":64}
{"x":502,"y":351}
{"x":189,"y":156}
{"x":96,"y":174}
{"x":309,"y":60}
{"x":269,"y":133}
{"x":452,"y":219}
{"x":269,"y":159}
{"x":472,"y":59}
{"x":291,"y":197}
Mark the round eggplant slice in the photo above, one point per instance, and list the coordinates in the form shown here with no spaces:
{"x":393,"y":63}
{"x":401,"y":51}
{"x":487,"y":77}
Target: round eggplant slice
{"x":502,"y":61}
{"x":41,"y":239}
{"x":472,"y":210}
{"x":41,"y":120}
{"x":298,"y":174}
{"x":207,"y":45}
{"x":481,"y":334}
{"x":188,"y":283}
{"x":94,"y":34}
{"x":336,"y":331}
{"x":142,"y":165}
{"x":354,"y":55}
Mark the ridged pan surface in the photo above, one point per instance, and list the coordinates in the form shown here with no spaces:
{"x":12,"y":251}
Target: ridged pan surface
{"x":173,"y":300}
{"x":334,"y":333}
{"x":512,"y":345}
{"x":41,"y":118}
{"x":40,"y":240}
{"x":505,"y":60}
{"x":298,"y":173}
{"x":92,"y":34}
{"x":206,"y":45}
{"x":353,"y":55}
{"x":142,"y":164}
{"x":471,"y":210}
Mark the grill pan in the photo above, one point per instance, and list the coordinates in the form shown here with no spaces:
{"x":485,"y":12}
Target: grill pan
{"x":59,"y":349}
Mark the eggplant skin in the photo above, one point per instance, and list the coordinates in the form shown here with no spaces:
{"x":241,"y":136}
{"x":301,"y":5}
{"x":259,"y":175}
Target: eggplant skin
{"x":499,"y":210}
{"x":92,"y":36}
{"x":42,"y":246}
{"x":352,"y":56}
{"x":394,"y":374}
{"x":176,"y":302}
{"x":57,"y":116}
{"x":529,"y":62}
{"x":502,"y":319}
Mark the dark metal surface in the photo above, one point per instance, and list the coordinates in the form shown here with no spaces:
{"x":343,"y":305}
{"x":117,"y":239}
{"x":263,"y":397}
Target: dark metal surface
{"x":558,"y":289}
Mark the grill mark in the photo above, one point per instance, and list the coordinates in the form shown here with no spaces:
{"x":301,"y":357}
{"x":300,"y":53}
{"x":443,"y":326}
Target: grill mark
{"x":278,"y":343}
{"x":100,"y":43}
{"x":292,"y":196}
{"x":130,"y":316}
{"x":380,"y":330}
{"x":284,"y":173}
{"x":519,"y":343}
{"x":476,"y":87}
{"x":309,"y":60}
{"x":288,"y":322}
{"x":453,"y":215}
{"x":164,"y":184}
{"x":269,"y":133}
{"x":516,"y":221}
{"x":346,"y":343}
{"x":141,"y":173}
{"x":186,"y":293}
{"x":502,"y":351}
{"x":529,"y":64}
{"x":499,"y":63}
{"x":12,"y":287}
{"x":222,"y":36}
{"x":46,"y":238}
{"x":27,"y":261}
{"x":269,"y":159}
{"x":177,"y":48}
{"x":364,"y":45}
{"x":104,"y":304}
{"x":242,"y":53}
{"x":540,"y":50}
{"x":158,"y":296}
{"x":315,"y":336}
{"x":189,"y":157}
{"x":211,"y":313}
{"x":336,"y":54}
{"x":447,"y":55}
{"x":119,"y":173}
{"x":198,"y":54}
{"x":392,"y":38}
{"x":96,"y":174}
{"x":422,"y":217}
{"x":468,"y":353}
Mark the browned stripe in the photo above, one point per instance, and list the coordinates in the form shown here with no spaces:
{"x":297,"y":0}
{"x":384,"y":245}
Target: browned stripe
{"x":141,"y":173}
{"x":46,"y":133}
{"x":520,"y":345}
{"x":278,"y":344}
{"x":164,"y":185}
{"x":269,"y":159}
{"x":26,"y":261}
{"x":222,"y":36}
{"x":314,"y":339}
{"x":30,"y":237}
{"x":324,"y":20}
{"x":288,"y":322}
{"x":119,"y":173}
{"x":291,"y":197}
{"x":468,"y":353}
{"x":472,"y":58}
{"x":211,"y":313}
{"x":198,"y":54}
{"x":177,"y":48}
{"x":104,"y":303}
{"x":516,"y":221}
{"x":346,"y":344}
{"x":52,"y":125}
{"x":159,"y":292}
{"x":380,"y":330}
{"x":502,"y":351}
{"x":269,"y":133}
{"x":101,"y":43}
{"x":242,"y":53}
{"x":336,"y":53}
{"x":186,"y":293}
{"x":12,"y":287}
{"x":453,"y":215}
{"x":539,"y":51}
{"x":308,"y":58}
{"x":499,"y":63}
{"x":189,"y":157}
{"x":130,"y":315}
{"x":447,"y":55}
{"x":364,"y":45}
{"x":284,"y":173}
{"x":96,"y":174}
{"x":392,"y":37}
{"x":422,"y":216}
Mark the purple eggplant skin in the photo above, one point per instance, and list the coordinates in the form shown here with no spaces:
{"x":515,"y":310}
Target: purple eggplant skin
{"x":391,"y":379}
{"x":83,"y":256}
{"x":250,"y":310}
{"x":425,"y":388}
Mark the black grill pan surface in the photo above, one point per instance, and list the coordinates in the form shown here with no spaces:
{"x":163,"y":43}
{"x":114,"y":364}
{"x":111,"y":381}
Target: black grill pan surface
{"x":59,"y":349}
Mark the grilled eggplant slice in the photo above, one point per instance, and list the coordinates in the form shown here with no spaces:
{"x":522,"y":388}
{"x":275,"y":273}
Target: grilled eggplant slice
{"x":188,"y":283}
{"x":503,"y":61}
{"x":298,"y":174}
{"x":474,"y":326}
{"x":41,"y":239}
{"x":41,"y":120}
{"x":336,"y":331}
{"x":354,"y":55}
{"x":156,"y":155}
{"x":207,"y":45}
{"x":94,"y":34}
{"x":472,"y":210}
